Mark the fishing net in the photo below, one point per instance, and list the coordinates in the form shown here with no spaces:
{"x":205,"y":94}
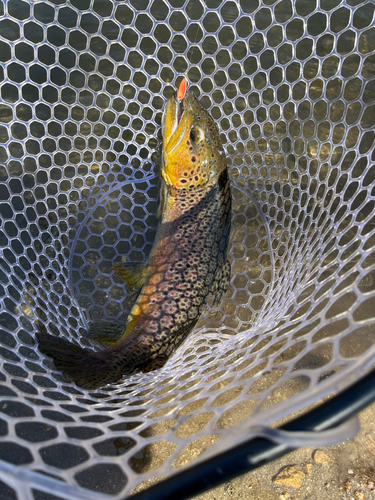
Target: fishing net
{"x":291,"y":85}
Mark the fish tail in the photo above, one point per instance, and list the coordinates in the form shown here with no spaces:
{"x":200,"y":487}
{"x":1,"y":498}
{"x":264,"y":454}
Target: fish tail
{"x":86,"y":368}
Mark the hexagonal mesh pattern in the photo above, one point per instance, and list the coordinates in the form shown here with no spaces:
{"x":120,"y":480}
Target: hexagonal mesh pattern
{"x":292,"y":87}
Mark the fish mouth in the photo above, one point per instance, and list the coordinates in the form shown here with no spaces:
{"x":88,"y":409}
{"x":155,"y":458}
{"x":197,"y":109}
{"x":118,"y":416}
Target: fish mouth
{"x":178,"y":112}
{"x":178,"y":116}
{"x":172,"y":116}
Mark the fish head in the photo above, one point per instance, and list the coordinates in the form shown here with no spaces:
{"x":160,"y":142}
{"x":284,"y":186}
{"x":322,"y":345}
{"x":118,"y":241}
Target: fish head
{"x":192,"y":153}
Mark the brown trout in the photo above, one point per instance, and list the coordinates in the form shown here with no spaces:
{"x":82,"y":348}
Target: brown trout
{"x":187,"y":264}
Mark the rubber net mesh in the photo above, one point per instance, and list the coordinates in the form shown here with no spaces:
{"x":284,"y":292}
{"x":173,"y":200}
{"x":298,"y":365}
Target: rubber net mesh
{"x":291,"y":85}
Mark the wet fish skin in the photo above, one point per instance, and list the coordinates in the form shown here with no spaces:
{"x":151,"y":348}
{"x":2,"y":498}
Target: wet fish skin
{"x":187,"y":264}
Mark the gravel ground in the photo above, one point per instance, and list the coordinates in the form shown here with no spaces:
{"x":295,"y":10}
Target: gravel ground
{"x":341,"y":472}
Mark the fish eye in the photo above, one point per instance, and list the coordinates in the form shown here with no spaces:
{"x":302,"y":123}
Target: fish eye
{"x":196,"y":134}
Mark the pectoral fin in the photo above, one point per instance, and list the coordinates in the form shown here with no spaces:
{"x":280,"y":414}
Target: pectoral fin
{"x":221,"y":282}
{"x":162,"y":199}
{"x":133,"y":273}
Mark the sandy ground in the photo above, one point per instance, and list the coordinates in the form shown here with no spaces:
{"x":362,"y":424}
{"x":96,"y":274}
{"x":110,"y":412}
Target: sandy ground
{"x":339,"y":472}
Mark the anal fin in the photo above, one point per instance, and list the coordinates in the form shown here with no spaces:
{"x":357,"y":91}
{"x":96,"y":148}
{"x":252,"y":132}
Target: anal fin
{"x":155,"y":364}
{"x":133,"y":273}
{"x":106,"y":332}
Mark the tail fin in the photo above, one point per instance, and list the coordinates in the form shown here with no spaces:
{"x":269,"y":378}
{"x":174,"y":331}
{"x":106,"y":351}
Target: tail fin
{"x":87,"y":369}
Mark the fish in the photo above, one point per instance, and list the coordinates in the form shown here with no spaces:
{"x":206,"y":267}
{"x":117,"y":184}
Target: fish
{"x":187,"y":265}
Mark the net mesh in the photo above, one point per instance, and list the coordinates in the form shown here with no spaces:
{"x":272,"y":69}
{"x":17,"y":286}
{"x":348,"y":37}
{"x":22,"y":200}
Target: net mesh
{"x":291,"y":85}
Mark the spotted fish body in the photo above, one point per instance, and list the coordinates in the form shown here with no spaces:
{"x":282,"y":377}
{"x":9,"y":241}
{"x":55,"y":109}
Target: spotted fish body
{"x":187,"y":264}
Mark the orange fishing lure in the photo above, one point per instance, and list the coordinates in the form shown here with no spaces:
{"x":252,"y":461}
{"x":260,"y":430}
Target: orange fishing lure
{"x":181,"y":90}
